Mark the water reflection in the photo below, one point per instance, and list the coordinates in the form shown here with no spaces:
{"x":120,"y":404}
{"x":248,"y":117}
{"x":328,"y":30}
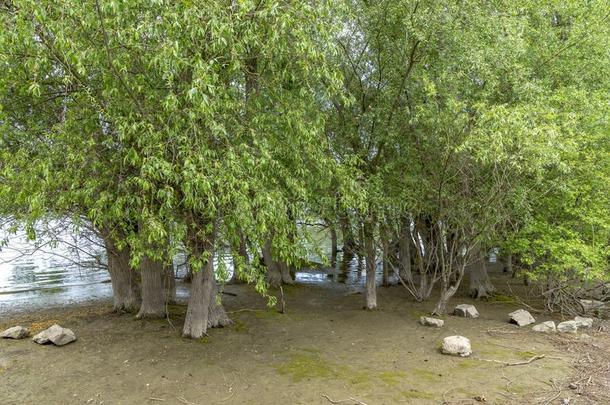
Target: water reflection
{"x":58,"y":276}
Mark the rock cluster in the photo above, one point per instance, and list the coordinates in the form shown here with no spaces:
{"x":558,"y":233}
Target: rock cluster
{"x":55,"y":334}
{"x":579,"y":322}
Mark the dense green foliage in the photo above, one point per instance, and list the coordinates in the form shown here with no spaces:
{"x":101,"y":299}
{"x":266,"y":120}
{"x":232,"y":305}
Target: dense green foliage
{"x":170,"y":125}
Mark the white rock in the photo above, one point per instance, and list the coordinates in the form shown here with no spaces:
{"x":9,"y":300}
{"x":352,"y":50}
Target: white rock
{"x":55,"y":334}
{"x":568,"y":326}
{"x":548,"y":326}
{"x":521,"y":317}
{"x":16,"y":332}
{"x":427,"y":321}
{"x":456,"y":345}
{"x":466,"y":311}
{"x":583,"y":322}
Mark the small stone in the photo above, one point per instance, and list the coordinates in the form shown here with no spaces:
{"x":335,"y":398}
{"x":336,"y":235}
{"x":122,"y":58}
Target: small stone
{"x":16,"y":332}
{"x":572,"y":386}
{"x":466,"y":311}
{"x":568,"y":327}
{"x":427,"y":321}
{"x":55,"y":334}
{"x":456,"y":345}
{"x":521,"y":317}
{"x":548,"y":326}
{"x":583,"y":322}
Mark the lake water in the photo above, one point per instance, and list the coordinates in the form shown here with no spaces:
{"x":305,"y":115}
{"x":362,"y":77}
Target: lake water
{"x":47,"y":275}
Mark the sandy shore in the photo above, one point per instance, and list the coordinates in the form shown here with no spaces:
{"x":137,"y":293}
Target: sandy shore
{"x":324,"y":349}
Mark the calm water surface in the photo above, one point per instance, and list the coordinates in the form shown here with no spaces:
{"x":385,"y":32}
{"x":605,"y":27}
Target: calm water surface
{"x":40,"y":276}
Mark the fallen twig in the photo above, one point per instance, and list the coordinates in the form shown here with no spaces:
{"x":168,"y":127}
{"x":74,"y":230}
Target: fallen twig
{"x":343,"y":400}
{"x":156,"y":399}
{"x":245,"y":310}
{"x":519,"y":363}
{"x":185,"y":401}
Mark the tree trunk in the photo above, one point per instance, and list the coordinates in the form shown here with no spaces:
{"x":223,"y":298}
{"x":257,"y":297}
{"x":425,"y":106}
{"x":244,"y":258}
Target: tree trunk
{"x":153,"y":293}
{"x":333,"y":247}
{"x":347,"y":234}
{"x":198,"y":310}
{"x":480,"y":284}
{"x":273,"y":276}
{"x":369,"y":248}
{"x":277,"y":272}
{"x":285,"y":272}
{"x":446,"y":294}
{"x":385,"y":260}
{"x":125,"y":281}
{"x":169,"y":280}
{"x":404,"y":250}
{"x":508,"y":267}
{"x":217,"y":317}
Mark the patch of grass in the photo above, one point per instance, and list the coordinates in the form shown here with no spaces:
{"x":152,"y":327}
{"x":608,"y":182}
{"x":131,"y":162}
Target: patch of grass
{"x":503,"y":299}
{"x":426,"y":375}
{"x":239,"y":326}
{"x":204,"y":340}
{"x":466,"y":364}
{"x":176,"y":311}
{"x":392,"y":377}
{"x":266,"y":314}
{"x":303,"y":366}
{"x":526,"y":355}
{"x":416,"y":313}
{"x":309,"y":364}
{"x":415,"y":394}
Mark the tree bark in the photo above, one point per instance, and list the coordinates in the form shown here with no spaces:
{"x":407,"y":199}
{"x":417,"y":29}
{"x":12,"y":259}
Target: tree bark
{"x":333,"y":247}
{"x":385,"y":244}
{"x":277,"y":272}
{"x":404,"y":250}
{"x":198,"y":310}
{"x":153,"y":292}
{"x":508,"y":267}
{"x":446,"y":294}
{"x":480,"y":284}
{"x":169,"y":281}
{"x":273,"y":276}
{"x":347,"y":234}
{"x":369,"y":248}
{"x":203,"y":310}
{"x":217,"y":317}
{"x":125,"y":281}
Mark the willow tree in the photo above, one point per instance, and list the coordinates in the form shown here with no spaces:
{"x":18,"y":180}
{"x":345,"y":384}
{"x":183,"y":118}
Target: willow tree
{"x":167,"y":81}
{"x":433,"y":122}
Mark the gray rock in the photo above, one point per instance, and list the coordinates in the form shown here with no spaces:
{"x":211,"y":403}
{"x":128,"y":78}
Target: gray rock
{"x":583,"y":322}
{"x":16,"y":332}
{"x":55,"y":334}
{"x":568,"y":327}
{"x":457,"y":345}
{"x":521,"y":317}
{"x":427,"y":321}
{"x":466,"y":311}
{"x":548,"y":326}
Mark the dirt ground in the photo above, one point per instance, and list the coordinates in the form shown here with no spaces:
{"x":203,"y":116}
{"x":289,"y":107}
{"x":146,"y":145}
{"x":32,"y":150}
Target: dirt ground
{"x":324,"y":350}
